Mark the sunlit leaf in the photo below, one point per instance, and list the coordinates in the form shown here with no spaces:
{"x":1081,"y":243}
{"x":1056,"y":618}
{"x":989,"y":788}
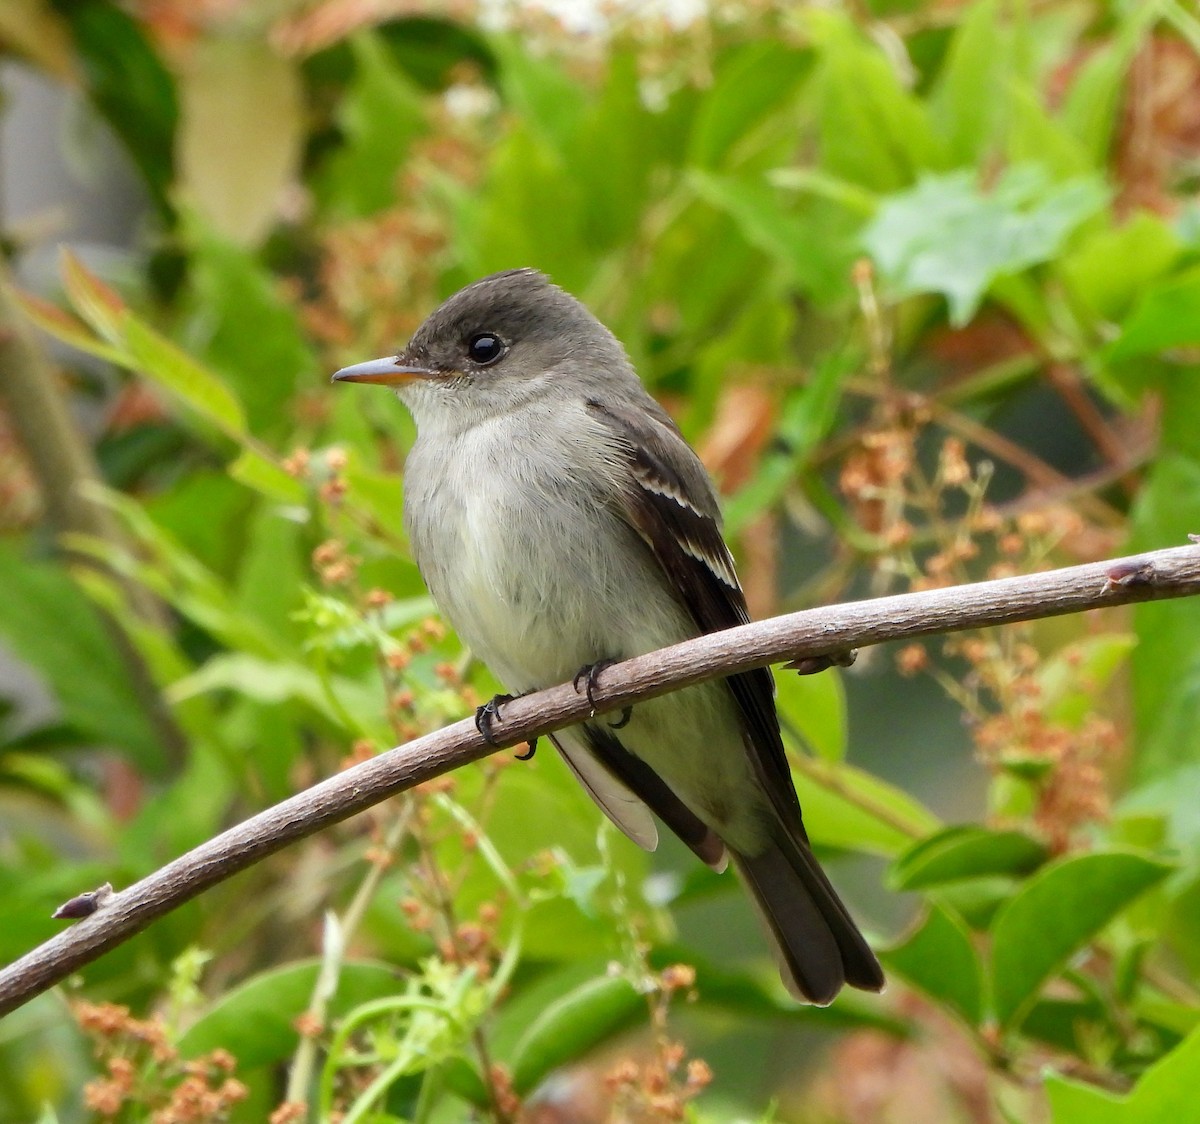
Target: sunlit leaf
{"x":255,"y":1021}
{"x":257,"y":471}
{"x":64,"y":327}
{"x":570,"y":1024}
{"x":948,"y":236}
{"x":235,"y":177}
{"x":1165,"y":1093}
{"x":938,"y":958}
{"x":962,"y":852}
{"x":814,"y":706}
{"x":1167,"y":315}
{"x":1054,"y":914}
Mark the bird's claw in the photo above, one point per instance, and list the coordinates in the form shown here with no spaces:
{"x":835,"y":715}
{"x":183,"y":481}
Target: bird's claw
{"x":590,"y":673}
{"x":623,"y":721}
{"x":530,"y":750}
{"x":487,"y":714}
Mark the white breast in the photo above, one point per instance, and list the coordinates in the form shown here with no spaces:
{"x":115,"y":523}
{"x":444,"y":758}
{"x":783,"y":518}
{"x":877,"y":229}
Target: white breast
{"x":526,"y":555}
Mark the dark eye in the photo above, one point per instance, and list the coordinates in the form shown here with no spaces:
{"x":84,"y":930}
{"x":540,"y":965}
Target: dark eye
{"x":485,"y":348}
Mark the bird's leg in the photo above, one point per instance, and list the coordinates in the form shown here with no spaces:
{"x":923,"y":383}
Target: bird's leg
{"x":489,"y":713}
{"x":590,"y":673}
{"x":811,"y":665}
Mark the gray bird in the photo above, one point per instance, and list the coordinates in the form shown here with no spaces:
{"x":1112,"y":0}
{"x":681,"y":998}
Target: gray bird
{"x":561,"y":522}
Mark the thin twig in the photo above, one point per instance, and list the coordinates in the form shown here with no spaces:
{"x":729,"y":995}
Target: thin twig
{"x":813,"y":632}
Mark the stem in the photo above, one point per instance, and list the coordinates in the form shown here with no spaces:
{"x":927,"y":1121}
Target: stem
{"x":305,"y":1060}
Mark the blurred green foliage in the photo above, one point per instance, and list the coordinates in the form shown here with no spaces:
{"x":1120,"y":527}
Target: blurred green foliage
{"x":921,"y":281}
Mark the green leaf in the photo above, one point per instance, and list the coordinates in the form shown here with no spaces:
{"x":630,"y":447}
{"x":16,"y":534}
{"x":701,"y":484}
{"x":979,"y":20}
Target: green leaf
{"x":257,"y":471}
{"x":613,"y":153}
{"x":255,"y":1021}
{"x":1076,"y":1102}
{"x":98,"y":304}
{"x":141,"y":348}
{"x":782,"y":234}
{"x":1165,"y":1094}
{"x":380,"y":495}
{"x":47,"y":621}
{"x":380,"y":115}
{"x":971,"y":91}
{"x":813,"y":707}
{"x":531,"y":209}
{"x":939,"y":959}
{"x":271,"y":571}
{"x":241,"y":325}
{"x":1115,"y":266}
{"x":430,"y":48}
{"x":947,"y":236}
{"x":752,"y":83}
{"x":1056,"y":913}
{"x":540,"y":91}
{"x":571,"y":1024}
{"x":1034,"y":135}
{"x":1166,"y":661}
{"x":1070,"y":1025}
{"x":1167,"y":315}
{"x":64,"y":327}
{"x":872,"y":130}
{"x":848,"y":808}
{"x":130,"y":87}
{"x":961,"y":852}
{"x":274,"y":681}
{"x":1091,"y":110}
{"x":172,"y":368}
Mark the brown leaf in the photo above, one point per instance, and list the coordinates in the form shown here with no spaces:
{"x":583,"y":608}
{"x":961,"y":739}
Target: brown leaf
{"x":742,"y":426}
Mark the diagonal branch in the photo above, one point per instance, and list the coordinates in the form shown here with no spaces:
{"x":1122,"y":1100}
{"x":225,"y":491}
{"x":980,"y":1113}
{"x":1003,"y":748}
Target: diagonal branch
{"x":811,"y":633}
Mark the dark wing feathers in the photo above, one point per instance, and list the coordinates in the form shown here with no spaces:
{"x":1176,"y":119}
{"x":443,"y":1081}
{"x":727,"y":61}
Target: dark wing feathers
{"x":669,"y":502}
{"x":672,"y":507}
{"x":657,"y":794}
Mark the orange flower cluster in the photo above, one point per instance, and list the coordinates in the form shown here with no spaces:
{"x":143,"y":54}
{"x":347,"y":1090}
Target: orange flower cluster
{"x":143,"y":1071}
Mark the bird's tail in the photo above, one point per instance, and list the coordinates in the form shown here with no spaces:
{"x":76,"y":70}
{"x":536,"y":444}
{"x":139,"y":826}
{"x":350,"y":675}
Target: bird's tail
{"x":817,"y":945}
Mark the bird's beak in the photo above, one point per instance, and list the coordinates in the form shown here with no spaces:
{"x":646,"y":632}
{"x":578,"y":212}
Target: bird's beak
{"x":387,"y":372}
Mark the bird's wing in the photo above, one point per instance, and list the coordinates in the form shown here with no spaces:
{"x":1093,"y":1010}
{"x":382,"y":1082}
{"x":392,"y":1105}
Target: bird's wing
{"x":627,"y":790}
{"x":668,"y":500}
{"x":606,"y":787}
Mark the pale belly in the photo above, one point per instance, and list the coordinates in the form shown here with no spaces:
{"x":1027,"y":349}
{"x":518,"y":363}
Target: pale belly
{"x":537,"y":607}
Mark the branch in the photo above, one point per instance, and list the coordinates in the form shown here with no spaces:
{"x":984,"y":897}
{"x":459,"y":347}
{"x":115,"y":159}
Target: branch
{"x":811,"y":633}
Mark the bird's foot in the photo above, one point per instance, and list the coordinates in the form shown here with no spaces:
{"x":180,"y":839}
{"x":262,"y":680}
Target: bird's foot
{"x":811,"y":665}
{"x":590,"y":675}
{"x":489,"y":713}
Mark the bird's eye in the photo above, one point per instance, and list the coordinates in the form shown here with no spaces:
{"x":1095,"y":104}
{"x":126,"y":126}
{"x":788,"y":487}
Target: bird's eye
{"x":485,"y":348}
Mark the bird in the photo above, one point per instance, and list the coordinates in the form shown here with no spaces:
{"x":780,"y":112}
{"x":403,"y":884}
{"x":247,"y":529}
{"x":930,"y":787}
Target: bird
{"x":561,"y":523}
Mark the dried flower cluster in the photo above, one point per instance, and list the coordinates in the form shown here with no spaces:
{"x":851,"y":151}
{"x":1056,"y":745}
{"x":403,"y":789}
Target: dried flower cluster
{"x":144,"y":1074}
{"x":935,"y":530}
{"x":659,"y":1086}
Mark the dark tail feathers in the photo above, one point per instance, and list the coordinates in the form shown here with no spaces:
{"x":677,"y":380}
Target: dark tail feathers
{"x":817,"y":945}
